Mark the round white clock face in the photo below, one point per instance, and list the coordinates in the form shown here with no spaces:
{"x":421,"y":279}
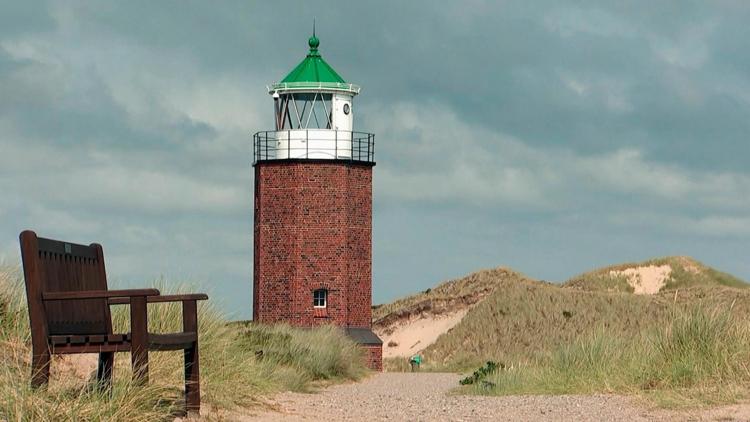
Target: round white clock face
{"x":346,"y":108}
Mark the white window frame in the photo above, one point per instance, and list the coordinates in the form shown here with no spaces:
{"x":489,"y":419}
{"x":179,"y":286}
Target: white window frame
{"x":295,"y":113}
{"x":317,"y":299}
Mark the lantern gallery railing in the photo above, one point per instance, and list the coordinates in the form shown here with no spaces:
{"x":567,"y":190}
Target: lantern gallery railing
{"x":318,"y":86}
{"x":306,"y":144}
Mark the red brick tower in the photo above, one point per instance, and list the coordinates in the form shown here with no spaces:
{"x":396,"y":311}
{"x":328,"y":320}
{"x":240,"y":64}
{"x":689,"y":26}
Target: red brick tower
{"x":313,"y":207}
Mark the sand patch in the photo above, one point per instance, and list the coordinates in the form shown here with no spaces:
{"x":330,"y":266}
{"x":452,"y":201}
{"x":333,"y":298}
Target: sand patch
{"x":688,"y":265}
{"x":645,"y":280}
{"x":413,"y":335}
{"x":81,"y":366}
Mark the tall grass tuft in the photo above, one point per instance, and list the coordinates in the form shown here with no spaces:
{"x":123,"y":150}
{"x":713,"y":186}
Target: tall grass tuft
{"x":699,"y":357}
{"x":67,"y":398}
{"x":702,"y":357}
{"x":323,"y":353}
{"x":232,"y":374}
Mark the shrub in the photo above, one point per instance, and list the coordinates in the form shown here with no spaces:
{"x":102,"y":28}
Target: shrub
{"x":480,"y":374}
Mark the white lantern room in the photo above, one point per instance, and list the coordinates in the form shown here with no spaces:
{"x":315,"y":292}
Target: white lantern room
{"x":314,"y":116}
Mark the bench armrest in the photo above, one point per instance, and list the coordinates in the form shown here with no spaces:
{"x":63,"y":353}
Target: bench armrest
{"x":161,"y":298}
{"x":98,"y":294}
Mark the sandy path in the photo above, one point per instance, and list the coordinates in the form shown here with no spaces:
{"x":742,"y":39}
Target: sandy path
{"x":426,"y":397}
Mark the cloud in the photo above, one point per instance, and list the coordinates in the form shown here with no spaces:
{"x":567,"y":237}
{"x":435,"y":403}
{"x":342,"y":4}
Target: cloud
{"x":714,"y":226}
{"x":546,"y":136}
{"x":568,"y":21}
{"x":107,"y":139}
{"x":447,"y":159}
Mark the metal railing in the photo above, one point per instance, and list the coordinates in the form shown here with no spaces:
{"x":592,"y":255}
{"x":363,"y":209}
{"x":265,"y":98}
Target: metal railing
{"x":314,"y":86}
{"x":310,"y":144}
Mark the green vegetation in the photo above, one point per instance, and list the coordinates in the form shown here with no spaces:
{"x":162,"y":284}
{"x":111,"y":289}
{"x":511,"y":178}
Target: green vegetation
{"x":516,"y":318}
{"x":233,"y":371}
{"x":304,"y":355}
{"x":684,"y":276}
{"x":686,"y":345}
{"x":698,"y":357}
{"x":480,"y":374}
{"x":524,"y":317}
{"x":459,"y":292}
{"x":686,"y":272}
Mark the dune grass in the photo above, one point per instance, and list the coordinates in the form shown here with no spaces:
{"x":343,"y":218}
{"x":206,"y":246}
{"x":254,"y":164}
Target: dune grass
{"x":700,"y":357}
{"x":521,"y":318}
{"x":524,"y":317}
{"x":302,"y":356}
{"x":233,"y":372}
{"x":685,"y":346}
{"x":461,"y":291}
{"x":682,"y":347}
{"x":686,"y":272}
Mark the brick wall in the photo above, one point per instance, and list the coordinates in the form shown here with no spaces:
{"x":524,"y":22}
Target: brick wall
{"x":374,"y":356}
{"x":313,"y":230}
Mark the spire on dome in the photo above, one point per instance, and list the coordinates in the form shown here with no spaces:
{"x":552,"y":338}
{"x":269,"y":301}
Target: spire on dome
{"x":313,"y":74}
{"x":313,"y":42}
{"x":313,"y":68}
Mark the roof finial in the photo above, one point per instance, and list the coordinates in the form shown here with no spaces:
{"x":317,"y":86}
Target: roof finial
{"x":313,"y":42}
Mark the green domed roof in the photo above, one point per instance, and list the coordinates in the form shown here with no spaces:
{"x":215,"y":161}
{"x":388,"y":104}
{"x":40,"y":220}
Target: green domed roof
{"x":313,"y":68}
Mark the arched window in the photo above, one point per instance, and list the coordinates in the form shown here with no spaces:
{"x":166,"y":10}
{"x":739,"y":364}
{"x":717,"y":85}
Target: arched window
{"x":320,"y":298}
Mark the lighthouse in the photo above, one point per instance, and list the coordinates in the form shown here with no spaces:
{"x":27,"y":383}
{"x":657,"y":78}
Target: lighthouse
{"x":313,"y":207}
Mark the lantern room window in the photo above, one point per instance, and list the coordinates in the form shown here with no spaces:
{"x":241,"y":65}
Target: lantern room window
{"x":320,"y":298}
{"x":304,"y":111}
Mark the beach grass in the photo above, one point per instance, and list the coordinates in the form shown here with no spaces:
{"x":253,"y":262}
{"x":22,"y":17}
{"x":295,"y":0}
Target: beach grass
{"x":698,"y":358}
{"x":241,"y":364}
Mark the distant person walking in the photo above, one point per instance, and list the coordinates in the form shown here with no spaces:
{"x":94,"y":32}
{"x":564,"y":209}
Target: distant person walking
{"x":414,"y":361}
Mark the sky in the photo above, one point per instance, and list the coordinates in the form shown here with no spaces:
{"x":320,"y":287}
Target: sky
{"x":549,"y":137}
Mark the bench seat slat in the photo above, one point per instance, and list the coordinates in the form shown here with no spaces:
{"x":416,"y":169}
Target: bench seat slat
{"x":58,"y":340}
{"x":92,"y":339}
{"x":97,"y":338}
{"x":77,"y":339}
{"x":173,"y":341}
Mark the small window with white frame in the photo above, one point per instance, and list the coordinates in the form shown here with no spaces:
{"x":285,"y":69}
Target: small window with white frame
{"x":320,"y":298}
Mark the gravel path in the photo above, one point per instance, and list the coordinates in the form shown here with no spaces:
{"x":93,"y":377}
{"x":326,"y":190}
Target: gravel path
{"x":427,"y":397}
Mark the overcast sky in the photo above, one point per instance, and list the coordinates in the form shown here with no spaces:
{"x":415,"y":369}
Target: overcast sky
{"x":550,"y":137}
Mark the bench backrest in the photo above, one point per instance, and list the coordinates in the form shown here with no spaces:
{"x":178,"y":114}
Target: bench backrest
{"x":57,"y":266}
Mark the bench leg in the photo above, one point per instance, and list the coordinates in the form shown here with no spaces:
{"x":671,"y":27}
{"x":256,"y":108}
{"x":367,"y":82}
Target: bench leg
{"x":192,"y":368}
{"x":105,"y":369}
{"x":192,"y":380}
{"x":139,"y":339}
{"x":40,"y":368}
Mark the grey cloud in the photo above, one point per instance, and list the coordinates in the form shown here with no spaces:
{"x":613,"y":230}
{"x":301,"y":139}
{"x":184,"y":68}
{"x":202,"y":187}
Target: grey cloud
{"x":550,"y":137}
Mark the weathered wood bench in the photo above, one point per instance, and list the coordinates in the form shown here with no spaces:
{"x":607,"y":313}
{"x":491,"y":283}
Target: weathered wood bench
{"x":66,"y":288}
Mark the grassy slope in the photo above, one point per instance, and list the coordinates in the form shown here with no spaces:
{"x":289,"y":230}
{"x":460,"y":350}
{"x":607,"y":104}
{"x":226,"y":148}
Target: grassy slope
{"x":460,"y":291}
{"x":521,"y":322}
{"x":521,"y":319}
{"x":231,"y":373}
{"x":686,"y":272}
{"x":524,"y":318}
{"x":574,"y":339}
{"x":697,"y":357}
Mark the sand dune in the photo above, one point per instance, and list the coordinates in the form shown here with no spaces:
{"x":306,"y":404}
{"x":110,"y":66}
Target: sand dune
{"x":646,"y":280}
{"x":415,"y":334}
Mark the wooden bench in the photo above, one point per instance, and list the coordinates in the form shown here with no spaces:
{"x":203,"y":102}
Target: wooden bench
{"x":66,"y":288}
